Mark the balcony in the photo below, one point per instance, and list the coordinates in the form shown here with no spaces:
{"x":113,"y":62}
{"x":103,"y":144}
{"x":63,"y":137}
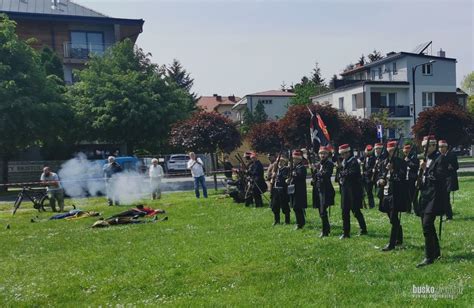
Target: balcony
{"x":82,"y":52}
{"x":394,"y":111}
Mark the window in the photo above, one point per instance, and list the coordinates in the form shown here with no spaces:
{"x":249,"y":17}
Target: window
{"x":227,"y":113}
{"x":265,"y":101}
{"x":341,"y":103}
{"x":394,"y":68}
{"x":380,"y":72}
{"x":85,"y":43}
{"x":427,"y":99}
{"x":391,"y":133}
{"x":427,"y":69}
{"x":373,"y":74}
{"x":354,"y":102}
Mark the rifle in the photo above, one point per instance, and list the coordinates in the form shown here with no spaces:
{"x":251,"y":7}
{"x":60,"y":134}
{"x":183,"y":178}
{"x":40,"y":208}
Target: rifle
{"x":275,"y":174}
{"x":419,"y":178}
{"x":377,"y":167}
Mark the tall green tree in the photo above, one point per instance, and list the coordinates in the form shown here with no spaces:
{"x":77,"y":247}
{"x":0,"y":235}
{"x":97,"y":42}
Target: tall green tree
{"x":32,"y":108}
{"x":259,"y":114}
{"x":467,"y":83}
{"x":181,"y":77}
{"x":122,"y":97}
{"x":51,"y":62}
{"x":307,"y":87}
{"x":374,"y":56}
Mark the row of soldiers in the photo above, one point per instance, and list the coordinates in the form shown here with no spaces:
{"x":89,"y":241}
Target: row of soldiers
{"x":382,"y":168}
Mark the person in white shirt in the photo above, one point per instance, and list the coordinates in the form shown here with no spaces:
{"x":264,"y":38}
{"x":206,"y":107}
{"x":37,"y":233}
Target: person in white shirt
{"x":155,"y":172}
{"x":54,"y":188}
{"x":197,"y":171}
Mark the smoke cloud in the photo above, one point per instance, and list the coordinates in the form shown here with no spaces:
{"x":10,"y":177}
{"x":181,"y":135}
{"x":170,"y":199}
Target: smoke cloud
{"x":82,"y":178}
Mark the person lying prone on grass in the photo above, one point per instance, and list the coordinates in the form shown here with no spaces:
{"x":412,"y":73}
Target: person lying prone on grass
{"x":138,"y":211}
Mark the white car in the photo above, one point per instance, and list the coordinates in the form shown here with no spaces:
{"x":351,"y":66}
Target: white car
{"x":177,"y":163}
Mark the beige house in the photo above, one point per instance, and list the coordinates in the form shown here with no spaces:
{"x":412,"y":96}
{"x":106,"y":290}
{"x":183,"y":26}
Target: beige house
{"x":219,"y":104}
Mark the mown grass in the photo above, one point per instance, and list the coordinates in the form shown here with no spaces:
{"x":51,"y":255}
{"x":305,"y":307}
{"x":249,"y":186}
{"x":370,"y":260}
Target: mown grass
{"x":216,"y":253}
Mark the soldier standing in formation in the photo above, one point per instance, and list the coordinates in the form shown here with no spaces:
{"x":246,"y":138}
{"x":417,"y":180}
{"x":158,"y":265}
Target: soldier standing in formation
{"x":298,"y":199}
{"x":433,"y":197}
{"x":413,"y":164}
{"x":279,"y":189}
{"x":323,"y":187}
{"x":257,"y":184}
{"x":350,"y":181}
{"x":367,"y":174}
{"x":452,"y":180}
{"x":392,"y":181}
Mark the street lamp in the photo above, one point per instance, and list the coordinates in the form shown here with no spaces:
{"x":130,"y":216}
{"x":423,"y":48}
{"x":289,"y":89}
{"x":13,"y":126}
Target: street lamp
{"x":413,"y":70}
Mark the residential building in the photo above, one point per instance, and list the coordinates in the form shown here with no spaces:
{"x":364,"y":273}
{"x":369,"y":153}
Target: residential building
{"x":275,"y":102}
{"x":219,"y":104}
{"x":73,"y":31}
{"x":387,"y":85}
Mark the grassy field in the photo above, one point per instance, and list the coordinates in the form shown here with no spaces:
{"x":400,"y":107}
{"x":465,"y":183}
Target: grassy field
{"x":216,"y":253}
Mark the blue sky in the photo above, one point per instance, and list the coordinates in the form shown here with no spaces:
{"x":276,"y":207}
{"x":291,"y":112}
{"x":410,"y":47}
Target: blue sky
{"x":246,"y":46}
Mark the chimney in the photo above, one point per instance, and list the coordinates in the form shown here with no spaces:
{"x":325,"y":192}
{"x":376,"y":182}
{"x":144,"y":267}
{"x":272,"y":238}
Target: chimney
{"x":215,"y":95}
{"x":219,"y":98}
{"x":441,"y":53}
{"x":231,"y":98}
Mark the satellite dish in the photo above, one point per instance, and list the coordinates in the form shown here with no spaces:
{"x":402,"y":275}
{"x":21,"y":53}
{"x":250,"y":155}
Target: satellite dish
{"x":420,"y":49}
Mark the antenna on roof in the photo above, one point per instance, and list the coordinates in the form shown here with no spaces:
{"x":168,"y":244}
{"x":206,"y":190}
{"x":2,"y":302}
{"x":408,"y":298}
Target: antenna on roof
{"x":420,"y":49}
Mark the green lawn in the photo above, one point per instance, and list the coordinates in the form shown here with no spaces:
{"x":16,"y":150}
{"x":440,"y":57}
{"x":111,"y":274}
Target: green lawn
{"x":216,"y":253}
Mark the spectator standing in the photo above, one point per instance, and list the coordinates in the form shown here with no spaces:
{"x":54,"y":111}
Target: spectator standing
{"x":156,"y":174}
{"x":54,"y":188}
{"x":196,"y":166}
{"x":110,"y":169}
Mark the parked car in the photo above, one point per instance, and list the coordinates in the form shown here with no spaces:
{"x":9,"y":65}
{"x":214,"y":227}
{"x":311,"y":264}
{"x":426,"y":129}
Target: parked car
{"x":177,"y":163}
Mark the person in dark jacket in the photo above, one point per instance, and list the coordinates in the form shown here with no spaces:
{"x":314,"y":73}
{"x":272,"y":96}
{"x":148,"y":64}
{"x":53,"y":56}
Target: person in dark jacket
{"x":452,"y":180}
{"x":413,"y":164}
{"x":110,"y":169}
{"x":257,"y":183}
{"x":350,"y":182}
{"x":280,"y":199}
{"x":298,"y":199}
{"x":433,"y":198}
{"x":393,"y":184}
{"x":367,"y":174}
{"x":323,"y":187}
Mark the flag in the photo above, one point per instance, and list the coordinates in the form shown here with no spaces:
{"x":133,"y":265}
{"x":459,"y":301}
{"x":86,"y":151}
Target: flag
{"x":323,"y":128}
{"x":318,"y":132}
{"x":379,"y":132}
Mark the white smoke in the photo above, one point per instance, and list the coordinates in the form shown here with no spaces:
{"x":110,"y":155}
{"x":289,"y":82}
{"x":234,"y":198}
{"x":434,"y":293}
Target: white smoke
{"x":82,"y":178}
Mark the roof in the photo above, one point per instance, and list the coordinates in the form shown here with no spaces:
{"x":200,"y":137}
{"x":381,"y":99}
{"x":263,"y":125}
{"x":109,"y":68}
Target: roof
{"x":392,"y":57}
{"x":63,"y":7}
{"x":65,"y":10}
{"x":273,"y":93}
{"x":363,"y":83}
{"x":210,"y":103}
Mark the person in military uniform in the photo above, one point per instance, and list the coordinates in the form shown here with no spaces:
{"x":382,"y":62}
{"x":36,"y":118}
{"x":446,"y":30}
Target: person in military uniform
{"x":280,"y":199}
{"x":257,"y":185}
{"x":452,"y":180}
{"x":298,"y":198}
{"x":433,"y":197}
{"x":393,"y":184}
{"x":413,"y":164}
{"x":323,"y":187}
{"x":271,"y":170}
{"x":367,"y":174}
{"x":350,"y":181}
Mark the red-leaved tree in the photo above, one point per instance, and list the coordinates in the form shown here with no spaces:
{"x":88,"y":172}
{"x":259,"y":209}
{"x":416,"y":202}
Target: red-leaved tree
{"x":265,"y":137}
{"x":294,"y":126}
{"x":350,"y":132}
{"x":449,"y":122}
{"x":206,"y":132}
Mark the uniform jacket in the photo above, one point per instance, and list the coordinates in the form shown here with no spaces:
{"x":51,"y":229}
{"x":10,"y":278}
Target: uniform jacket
{"x":397,"y":198}
{"x":368,"y":167}
{"x":413,"y":165}
{"x":350,"y":180}
{"x":299,"y":199}
{"x":256,"y":173}
{"x":453,"y":166}
{"x":322,"y":185}
{"x":434,"y":195}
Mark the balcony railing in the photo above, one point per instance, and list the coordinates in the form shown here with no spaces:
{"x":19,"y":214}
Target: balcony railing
{"x":83,"y":51}
{"x":394,"y":111}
